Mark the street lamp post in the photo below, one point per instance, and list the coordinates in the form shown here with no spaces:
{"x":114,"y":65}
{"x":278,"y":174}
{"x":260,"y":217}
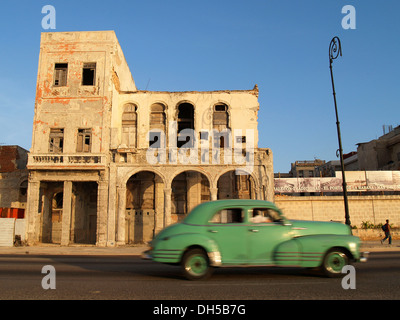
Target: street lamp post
{"x":335,"y":50}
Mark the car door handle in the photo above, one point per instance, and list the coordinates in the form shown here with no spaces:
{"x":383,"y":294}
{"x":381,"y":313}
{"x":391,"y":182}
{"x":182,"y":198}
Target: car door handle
{"x":213,"y":231}
{"x":253,"y":230}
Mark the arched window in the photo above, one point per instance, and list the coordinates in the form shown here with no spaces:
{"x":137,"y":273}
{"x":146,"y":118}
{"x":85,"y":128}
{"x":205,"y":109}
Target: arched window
{"x":129,"y":125}
{"x":221,"y":125}
{"x":157,"y":124}
{"x":185,"y":121}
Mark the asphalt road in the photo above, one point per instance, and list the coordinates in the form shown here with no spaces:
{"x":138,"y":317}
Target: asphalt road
{"x":127,"y":277}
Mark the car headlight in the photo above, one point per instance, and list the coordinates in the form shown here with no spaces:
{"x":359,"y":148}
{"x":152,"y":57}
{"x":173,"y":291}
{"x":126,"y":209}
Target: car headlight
{"x":353,"y":246}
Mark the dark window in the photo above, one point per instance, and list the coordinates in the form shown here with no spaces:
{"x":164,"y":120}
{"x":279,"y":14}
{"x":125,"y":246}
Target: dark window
{"x":89,"y":74}
{"x":185,"y":121}
{"x":60,"y":74}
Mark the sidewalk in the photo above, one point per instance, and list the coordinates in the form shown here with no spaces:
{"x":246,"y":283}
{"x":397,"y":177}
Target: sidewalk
{"x":52,"y":249}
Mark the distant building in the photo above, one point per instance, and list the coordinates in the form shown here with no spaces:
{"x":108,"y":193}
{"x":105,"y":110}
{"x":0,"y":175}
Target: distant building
{"x":328,"y":169}
{"x":305,"y":169}
{"x":13,"y":181}
{"x":382,"y":153}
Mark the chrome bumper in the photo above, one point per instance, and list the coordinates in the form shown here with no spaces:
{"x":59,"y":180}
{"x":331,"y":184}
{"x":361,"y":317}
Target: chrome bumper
{"x":364,"y":256}
{"x":146,"y":255}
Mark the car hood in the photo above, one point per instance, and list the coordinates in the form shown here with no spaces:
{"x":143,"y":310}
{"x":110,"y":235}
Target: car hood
{"x":302,"y":227}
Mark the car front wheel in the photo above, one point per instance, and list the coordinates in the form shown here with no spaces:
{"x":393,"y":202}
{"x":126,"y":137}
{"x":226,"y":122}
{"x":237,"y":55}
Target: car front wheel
{"x":333,"y":263}
{"x":195,"y":265}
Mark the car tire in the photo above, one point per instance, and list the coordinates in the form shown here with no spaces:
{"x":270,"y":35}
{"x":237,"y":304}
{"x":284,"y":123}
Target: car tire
{"x":196,"y":265}
{"x":333,"y":263}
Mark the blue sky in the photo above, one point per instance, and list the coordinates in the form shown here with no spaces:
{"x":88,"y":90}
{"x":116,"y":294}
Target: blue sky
{"x":280,"y":45}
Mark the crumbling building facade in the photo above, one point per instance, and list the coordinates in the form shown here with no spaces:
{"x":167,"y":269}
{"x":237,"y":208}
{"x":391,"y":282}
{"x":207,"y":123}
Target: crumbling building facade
{"x":112,"y":165}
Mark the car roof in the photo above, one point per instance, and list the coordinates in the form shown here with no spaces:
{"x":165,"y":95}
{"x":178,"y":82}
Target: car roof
{"x":203,"y":212}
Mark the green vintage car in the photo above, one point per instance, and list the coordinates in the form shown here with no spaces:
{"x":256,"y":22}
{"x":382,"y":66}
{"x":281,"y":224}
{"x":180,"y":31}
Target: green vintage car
{"x":226,"y":233}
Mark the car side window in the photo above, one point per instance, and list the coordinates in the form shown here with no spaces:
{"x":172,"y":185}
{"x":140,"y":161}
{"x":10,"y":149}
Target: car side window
{"x":264,"y":215}
{"x":232,"y":215}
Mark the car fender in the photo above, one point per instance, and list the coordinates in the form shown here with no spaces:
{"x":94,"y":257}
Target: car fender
{"x":309,"y":250}
{"x":171,"y":249}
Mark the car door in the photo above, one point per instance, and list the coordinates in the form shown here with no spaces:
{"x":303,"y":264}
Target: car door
{"x":265,"y":232}
{"x":228,"y":230}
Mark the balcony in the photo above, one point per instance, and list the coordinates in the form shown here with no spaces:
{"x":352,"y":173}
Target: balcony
{"x":66,"y":161}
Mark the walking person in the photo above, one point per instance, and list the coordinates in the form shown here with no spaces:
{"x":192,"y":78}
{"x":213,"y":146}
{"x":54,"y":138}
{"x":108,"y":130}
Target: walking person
{"x":386,"y":229}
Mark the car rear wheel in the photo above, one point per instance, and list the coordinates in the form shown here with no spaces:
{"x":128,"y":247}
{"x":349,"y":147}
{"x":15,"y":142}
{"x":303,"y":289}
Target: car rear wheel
{"x":333,"y":263}
{"x":195,"y":265}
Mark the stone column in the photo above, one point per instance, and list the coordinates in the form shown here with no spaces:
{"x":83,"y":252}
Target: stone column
{"x":167,"y":206}
{"x":121,"y":192}
{"x":112,"y":205}
{"x":214,"y":194}
{"x":102,"y":212}
{"x":32,"y":212}
{"x":66,"y":215}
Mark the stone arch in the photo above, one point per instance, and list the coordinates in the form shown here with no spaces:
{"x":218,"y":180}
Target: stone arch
{"x":144,"y":205}
{"x":189,"y":188}
{"x":236,"y":186}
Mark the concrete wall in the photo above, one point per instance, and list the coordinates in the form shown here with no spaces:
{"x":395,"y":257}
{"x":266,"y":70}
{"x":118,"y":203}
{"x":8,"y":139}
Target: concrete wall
{"x":375,"y":209}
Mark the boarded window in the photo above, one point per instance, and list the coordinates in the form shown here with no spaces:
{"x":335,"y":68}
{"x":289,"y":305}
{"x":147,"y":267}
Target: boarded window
{"x":56,"y":140}
{"x":129,"y":125}
{"x":89,"y":74}
{"x":221,"y":124}
{"x":220,"y":117}
{"x":157,"y":121}
{"x":84,"y":140}
{"x":60,"y":74}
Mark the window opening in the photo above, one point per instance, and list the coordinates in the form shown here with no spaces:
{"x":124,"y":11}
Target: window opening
{"x":60,"y":74}
{"x":129,"y":126}
{"x":234,"y":215}
{"x":84,"y":140}
{"x":89,"y":74}
{"x":264,"y":215}
{"x":185,"y":121}
{"x":221,"y":126}
{"x":157,"y":124}
{"x":56,"y":140}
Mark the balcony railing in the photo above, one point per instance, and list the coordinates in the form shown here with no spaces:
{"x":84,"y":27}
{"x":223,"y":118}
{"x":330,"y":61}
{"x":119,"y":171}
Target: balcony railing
{"x":174,"y":156}
{"x":67,"y":161}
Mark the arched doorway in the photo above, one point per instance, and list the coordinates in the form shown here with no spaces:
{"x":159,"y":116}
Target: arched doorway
{"x":189,"y":189}
{"x":144,"y":206}
{"x":51,"y":208}
{"x":233,"y":186}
